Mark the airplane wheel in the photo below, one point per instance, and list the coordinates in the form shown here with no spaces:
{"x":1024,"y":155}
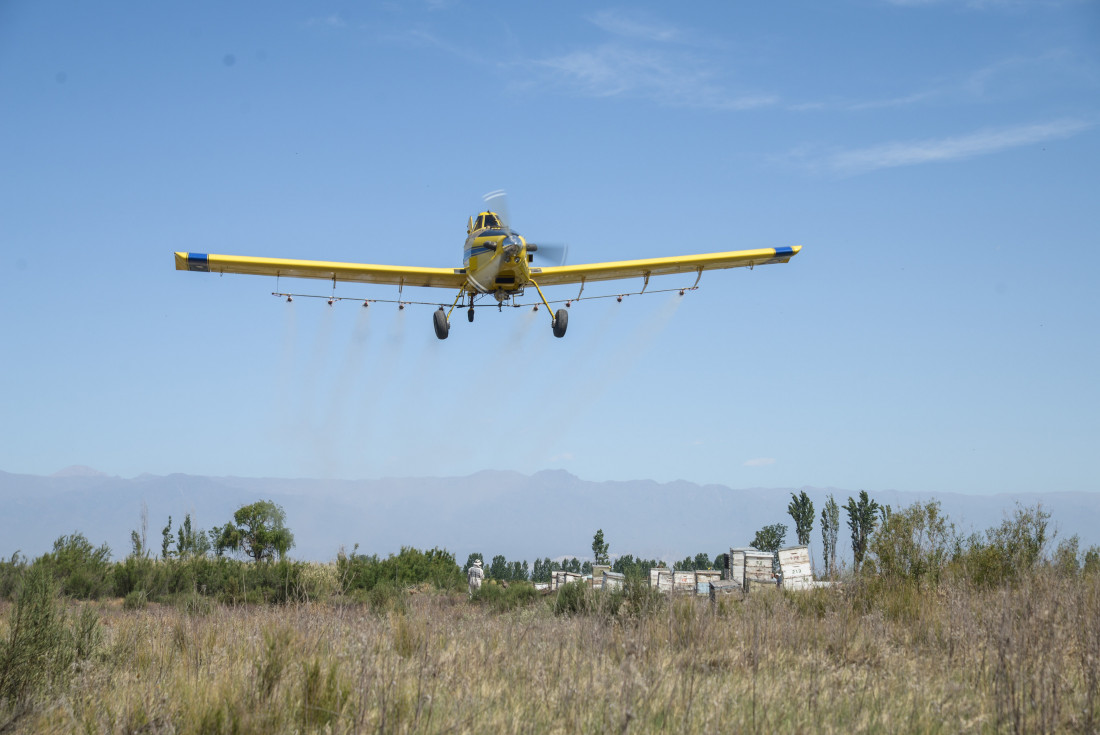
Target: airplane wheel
{"x":561,"y":321}
{"x":439,"y":320}
{"x":470,"y":314}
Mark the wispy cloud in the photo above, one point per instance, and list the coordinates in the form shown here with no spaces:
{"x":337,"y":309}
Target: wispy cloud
{"x":328,"y":21}
{"x":760,"y":462}
{"x":636,"y":26}
{"x":650,"y":59}
{"x":616,"y":70}
{"x":982,"y":142}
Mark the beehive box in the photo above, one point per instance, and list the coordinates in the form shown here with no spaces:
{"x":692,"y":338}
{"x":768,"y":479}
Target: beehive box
{"x":796,"y":568}
{"x":560,"y":578}
{"x":683,"y":581}
{"x":661,"y":579}
{"x":613,"y":581}
{"x":597,"y":574}
{"x":724,"y":588}
{"x":735,"y":564}
{"x":703,"y":578}
{"x":758,"y":569}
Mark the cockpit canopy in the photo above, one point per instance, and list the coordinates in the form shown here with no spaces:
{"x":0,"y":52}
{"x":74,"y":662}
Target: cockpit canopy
{"x":485,"y":220}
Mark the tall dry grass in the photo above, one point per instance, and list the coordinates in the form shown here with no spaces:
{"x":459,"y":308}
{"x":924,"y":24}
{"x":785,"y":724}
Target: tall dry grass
{"x":956,"y":659}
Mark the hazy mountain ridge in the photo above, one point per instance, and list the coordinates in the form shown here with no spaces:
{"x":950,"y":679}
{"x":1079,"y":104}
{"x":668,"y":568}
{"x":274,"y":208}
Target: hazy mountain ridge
{"x":551,"y":513}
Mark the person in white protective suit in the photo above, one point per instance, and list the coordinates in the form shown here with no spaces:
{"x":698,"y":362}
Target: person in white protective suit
{"x":474,"y":576}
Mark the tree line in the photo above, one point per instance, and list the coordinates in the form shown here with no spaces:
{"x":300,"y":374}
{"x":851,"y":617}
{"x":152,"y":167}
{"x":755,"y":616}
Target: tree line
{"x":245,"y":560}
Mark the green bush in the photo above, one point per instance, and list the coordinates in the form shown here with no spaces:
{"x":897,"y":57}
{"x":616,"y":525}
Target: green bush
{"x":502,"y":599}
{"x":572,"y":599}
{"x":83,"y":571}
{"x":1007,"y":553}
{"x":412,"y":566}
{"x":11,"y":572}
{"x":1092,"y":561}
{"x":135,"y":600}
{"x":913,"y":545}
{"x":39,"y":650}
{"x":639,"y":600}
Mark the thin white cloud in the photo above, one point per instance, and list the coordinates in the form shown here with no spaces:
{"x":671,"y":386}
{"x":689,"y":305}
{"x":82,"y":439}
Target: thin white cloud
{"x":983,"y":142}
{"x":635,"y":26}
{"x":648,"y":58}
{"x":616,"y":69}
{"x":760,"y":462}
{"x":329,"y":21}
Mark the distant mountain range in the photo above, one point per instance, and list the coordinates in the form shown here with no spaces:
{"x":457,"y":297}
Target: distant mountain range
{"x":548,"y":514}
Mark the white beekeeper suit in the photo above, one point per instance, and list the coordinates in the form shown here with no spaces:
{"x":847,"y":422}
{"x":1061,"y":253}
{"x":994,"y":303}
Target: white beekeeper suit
{"x":474,"y":576}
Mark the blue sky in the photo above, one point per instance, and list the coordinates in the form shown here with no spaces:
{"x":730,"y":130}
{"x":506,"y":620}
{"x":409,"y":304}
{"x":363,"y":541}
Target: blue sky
{"x":936,"y":160}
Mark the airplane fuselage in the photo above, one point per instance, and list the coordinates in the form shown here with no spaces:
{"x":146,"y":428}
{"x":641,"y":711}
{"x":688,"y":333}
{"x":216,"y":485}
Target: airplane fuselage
{"x":495,"y":260}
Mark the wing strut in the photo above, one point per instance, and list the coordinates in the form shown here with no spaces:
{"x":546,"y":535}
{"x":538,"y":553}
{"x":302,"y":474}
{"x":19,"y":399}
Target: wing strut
{"x":696,"y":284}
{"x":544,"y":299}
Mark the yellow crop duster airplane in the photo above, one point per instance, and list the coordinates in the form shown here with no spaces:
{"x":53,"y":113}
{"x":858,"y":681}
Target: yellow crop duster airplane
{"x":496,"y":260}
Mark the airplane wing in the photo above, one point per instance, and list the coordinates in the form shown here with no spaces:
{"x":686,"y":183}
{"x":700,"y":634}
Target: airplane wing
{"x":660,"y":266}
{"x":358,"y":272}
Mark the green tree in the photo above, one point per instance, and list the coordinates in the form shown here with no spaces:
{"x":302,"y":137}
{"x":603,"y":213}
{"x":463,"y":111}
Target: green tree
{"x":498,"y":568}
{"x":599,"y":548}
{"x":702,"y":560}
{"x":81,"y":569}
{"x":830,"y":525}
{"x":541,"y":571}
{"x":801,"y":510}
{"x":259,"y":530}
{"x":913,"y":544}
{"x":1092,"y":560}
{"x":167,"y":538}
{"x":770,"y":538}
{"x":862,"y":519}
{"x":1007,"y":553}
{"x":190,"y":541}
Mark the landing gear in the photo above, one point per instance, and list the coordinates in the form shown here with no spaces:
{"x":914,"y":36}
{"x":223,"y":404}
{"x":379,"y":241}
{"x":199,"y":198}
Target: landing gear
{"x":470,"y":314}
{"x":561,"y":321}
{"x":439,"y":320}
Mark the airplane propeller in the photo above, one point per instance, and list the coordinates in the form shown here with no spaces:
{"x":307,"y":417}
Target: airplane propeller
{"x":548,"y":253}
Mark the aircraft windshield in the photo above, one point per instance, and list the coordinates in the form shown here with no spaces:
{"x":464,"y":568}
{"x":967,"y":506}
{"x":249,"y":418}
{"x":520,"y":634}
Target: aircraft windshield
{"x":487,"y":220}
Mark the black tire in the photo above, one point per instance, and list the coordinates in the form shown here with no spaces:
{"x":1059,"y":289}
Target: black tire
{"x":470,"y":314}
{"x":439,"y":320}
{"x":561,"y":322}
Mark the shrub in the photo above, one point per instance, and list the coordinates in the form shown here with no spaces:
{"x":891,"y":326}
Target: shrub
{"x":1092,"y":561}
{"x":11,"y":572}
{"x":502,"y":599}
{"x":913,"y":545}
{"x":1065,"y":560}
{"x":639,"y":599}
{"x":135,"y":600}
{"x":411,"y":566}
{"x":39,"y":650}
{"x":82,"y":570}
{"x":572,"y":599}
{"x":1007,"y":553}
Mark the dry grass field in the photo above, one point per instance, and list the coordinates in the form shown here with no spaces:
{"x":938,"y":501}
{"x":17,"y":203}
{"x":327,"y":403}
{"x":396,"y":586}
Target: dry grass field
{"x":1020,"y":658}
